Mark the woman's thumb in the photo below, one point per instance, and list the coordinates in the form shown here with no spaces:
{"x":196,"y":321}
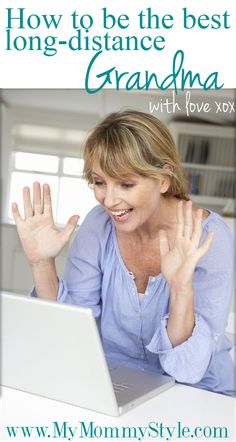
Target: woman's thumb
{"x":69,"y":228}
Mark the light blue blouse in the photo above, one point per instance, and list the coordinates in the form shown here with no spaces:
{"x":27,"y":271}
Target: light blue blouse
{"x":133,"y":330}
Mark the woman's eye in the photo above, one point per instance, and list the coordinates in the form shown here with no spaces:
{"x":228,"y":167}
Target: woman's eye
{"x":98,"y":183}
{"x":127,"y":185}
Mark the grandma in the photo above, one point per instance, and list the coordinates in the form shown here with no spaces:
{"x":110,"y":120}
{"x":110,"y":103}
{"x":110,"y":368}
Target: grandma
{"x":177,"y":79}
{"x":146,"y":260}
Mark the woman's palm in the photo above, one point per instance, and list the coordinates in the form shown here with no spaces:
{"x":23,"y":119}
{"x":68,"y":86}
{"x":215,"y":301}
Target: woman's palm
{"x":40,"y":238}
{"x":179,"y":261}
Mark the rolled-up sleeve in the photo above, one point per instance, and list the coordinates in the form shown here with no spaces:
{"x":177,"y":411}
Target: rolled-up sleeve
{"x":188,"y":361}
{"x":61,"y":293}
{"x":213,"y":288}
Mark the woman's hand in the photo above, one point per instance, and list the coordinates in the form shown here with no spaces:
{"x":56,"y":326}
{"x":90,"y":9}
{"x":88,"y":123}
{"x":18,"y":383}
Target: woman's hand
{"x":177,"y":265}
{"x":178,"y":262}
{"x":40,"y":238}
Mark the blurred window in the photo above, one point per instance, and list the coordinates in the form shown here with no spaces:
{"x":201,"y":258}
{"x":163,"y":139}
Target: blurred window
{"x":50,"y":155}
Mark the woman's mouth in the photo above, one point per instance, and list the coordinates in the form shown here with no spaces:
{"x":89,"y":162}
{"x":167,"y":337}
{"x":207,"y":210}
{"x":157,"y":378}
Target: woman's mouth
{"x":121,"y":215}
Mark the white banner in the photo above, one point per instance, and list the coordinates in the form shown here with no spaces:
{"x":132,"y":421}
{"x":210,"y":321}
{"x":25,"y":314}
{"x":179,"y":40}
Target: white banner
{"x":120,"y":45}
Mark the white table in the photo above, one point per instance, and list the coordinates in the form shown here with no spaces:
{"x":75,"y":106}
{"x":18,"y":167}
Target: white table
{"x":189,"y":406}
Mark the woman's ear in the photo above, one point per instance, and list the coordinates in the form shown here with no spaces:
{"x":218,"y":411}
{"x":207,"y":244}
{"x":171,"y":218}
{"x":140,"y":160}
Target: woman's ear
{"x":166,"y":180}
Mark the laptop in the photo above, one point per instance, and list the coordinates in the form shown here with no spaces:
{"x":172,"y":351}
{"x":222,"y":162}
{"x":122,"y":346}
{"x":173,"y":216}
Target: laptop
{"x":54,"y":350}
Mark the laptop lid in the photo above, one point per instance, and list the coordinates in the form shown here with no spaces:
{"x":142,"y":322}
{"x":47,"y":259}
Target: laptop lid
{"x":54,"y":350}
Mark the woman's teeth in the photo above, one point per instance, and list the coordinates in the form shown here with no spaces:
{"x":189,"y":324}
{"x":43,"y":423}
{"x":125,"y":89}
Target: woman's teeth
{"x":120,"y":213}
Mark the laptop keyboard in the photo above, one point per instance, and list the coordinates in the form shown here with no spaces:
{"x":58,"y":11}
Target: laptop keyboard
{"x":118,"y":388}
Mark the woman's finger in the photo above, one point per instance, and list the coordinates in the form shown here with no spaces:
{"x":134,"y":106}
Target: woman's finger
{"x":188,"y":220}
{"x":206,"y":245}
{"x":28,"y":209}
{"x":164,"y":243}
{"x":47,"y":202}
{"x":15,"y":214}
{"x":180,"y":220}
{"x":197,"y":227}
{"x":37,"y":201}
{"x":69,"y":228}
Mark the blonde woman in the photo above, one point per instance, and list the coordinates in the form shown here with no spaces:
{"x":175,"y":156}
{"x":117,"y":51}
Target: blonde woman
{"x":156,"y":270}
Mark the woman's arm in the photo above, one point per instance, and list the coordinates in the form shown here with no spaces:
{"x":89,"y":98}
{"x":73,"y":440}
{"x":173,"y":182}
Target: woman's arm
{"x":205,"y":350}
{"x":178,"y":264}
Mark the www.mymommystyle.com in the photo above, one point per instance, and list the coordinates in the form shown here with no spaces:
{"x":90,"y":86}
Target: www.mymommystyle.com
{"x":91,"y":430}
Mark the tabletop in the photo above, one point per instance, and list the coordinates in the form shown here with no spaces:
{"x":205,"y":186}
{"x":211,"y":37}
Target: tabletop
{"x":179,"y":413}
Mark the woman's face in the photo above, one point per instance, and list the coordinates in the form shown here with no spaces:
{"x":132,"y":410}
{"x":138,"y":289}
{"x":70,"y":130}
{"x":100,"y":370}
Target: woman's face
{"x":132,"y":203}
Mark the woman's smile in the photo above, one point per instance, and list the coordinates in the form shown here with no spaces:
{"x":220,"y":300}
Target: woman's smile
{"x":121,"y":216}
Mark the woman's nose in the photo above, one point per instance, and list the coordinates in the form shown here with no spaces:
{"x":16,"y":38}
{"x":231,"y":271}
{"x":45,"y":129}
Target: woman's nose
{"x":111,"y":197}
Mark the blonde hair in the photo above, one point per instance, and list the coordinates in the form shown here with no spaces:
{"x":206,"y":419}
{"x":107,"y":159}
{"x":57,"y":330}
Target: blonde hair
{"x":133,"y":142}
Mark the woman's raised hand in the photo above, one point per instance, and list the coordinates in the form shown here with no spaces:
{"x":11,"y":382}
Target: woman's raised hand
{"x":40,"y":238}
{"x":178,"y":262}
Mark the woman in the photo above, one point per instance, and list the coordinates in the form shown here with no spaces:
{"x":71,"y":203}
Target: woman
{"x":156,"y":270}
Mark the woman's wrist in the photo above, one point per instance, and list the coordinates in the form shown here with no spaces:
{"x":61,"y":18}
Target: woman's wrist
{"x":181,"y":320}
{"x":45,"y":279}
{"x":42,"y":263}
{"x":181,"y":290}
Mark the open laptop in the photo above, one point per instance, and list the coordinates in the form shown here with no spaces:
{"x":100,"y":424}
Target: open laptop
{"x":54,"y":350}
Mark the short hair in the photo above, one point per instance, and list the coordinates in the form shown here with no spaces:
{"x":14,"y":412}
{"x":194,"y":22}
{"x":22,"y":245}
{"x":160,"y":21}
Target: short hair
{"x":131,"y":142}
